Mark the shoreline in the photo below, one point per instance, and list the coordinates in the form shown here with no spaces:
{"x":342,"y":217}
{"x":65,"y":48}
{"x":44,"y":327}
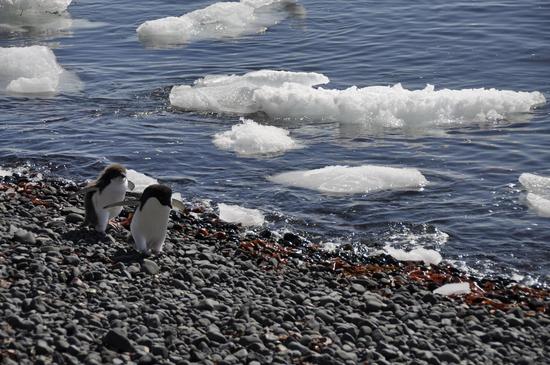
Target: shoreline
{"x":215,"y":296}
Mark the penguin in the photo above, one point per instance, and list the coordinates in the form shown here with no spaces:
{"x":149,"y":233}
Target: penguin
{"x":150,"y":219}
{"x":109,"y":187}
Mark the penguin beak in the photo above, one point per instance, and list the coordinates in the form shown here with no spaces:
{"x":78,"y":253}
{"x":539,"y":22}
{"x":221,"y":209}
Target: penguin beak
{"x":131,"y":185}
{"x":126,"y":202}
{"x":176,"y":204}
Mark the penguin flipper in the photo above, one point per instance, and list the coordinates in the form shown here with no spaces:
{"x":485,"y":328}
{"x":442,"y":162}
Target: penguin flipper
{"x":176,"y":204}
{"x":131,"y":185}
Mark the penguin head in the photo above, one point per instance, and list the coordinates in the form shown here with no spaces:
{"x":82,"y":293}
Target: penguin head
{"x":161,"y":192}
{"x":112,"y":173}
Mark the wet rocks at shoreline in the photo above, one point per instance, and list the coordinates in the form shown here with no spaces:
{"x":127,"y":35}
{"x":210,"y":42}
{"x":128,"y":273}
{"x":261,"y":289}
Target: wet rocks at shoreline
{"x":71,"y":296}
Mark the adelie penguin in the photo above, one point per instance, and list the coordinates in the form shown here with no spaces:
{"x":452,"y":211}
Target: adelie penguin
{"x":150,"y":219}
{"x":108,"y":188}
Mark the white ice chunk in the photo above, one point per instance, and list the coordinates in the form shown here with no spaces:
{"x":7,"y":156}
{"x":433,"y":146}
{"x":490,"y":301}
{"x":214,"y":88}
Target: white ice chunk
{"x":287,"y":95}
{"x":538,"y":193}
{"x":5,"y":172}
{"x":350,"y":180}
{"x":21,"y":7}
{"x":141,"y":181}
{"x":217,"y":21}
{"x":538,"y":204}
{"x":429,"y":257}
{"x":236,"y":214}
{"x":536,"y":184}
{"x":453,"y":289}
{"x":250,"y":138}
{"x":33,"y":70}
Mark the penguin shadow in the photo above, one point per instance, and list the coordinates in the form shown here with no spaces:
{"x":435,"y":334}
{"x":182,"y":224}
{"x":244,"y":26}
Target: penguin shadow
{"x":129,"y":256}
{"x":86,"y":236}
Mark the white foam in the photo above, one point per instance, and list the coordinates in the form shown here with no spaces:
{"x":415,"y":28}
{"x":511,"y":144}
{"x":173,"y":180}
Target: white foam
{"x":429,"y":257}
{"x":34,"y":70}
{"x":350,"y":180}
{"x":141,"y":181}
{"x":236,"y":214}
{"x":250,"y":138}
{"x":282,"y":94}
{"x":538,"y":193}
{"x":217,"y":21}
{"x":21,"y":7}
{"x":453,"y":289}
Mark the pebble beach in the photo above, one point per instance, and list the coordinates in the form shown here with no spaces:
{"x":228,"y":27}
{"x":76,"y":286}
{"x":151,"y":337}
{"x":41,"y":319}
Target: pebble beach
{"x":221,"y":295}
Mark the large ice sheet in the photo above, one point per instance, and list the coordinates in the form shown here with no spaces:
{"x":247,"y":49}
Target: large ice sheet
{"x":538,"y":193}
{"x":250,"y":138}
{"x":430,"y":257}
{"x":281,"y":94}
{"x":236,"y":214}
{"x":140,"y":180}
{"x":217,"y":21}
{"x":352,"y":180}
{"x":33,"y":70}
{"x":22,"y":7}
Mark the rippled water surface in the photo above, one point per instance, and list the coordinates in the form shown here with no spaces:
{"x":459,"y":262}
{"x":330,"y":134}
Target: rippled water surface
{"x":471,"y":211}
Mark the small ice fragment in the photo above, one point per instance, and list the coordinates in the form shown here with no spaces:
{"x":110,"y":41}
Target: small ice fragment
{"x":250,"y":138}
{"x":538,"y":204}
{"x":429,"y":257}
{"x":5,"y":172}
{"x":538,"y":193}
{"x":351,"y":180}
{"x":453,"y":289}
{"x":236,"y":214}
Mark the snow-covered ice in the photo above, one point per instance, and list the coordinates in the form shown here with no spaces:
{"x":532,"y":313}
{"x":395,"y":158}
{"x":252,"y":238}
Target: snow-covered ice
{"x":250,"y":138}
{"x":23,"y":7}
{"x":297,"y":95}
{"x":538,"y":193}
{"x":351,"y":180}
{"x":453,"y":289}
{"x":217,"y":21}
{"x":34,"y":70}
{"x":141,"y":181}
{"x":237,"y":214}
{"x":430,"y":257}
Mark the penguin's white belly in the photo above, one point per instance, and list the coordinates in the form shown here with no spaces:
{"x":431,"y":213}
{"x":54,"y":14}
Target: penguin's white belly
{"x":149,"y":223}
{"x":112,"y":193}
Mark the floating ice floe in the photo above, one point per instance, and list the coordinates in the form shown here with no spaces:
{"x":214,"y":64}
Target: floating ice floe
{"x":250,"y":138}
{"x":453,"y":289}
{"x":294,"y":95}
{"x":23,"y":7}
{"x":236,"y":214}
{"x":34,"y":70}
{"x":429,"y":257}
{"x":217,"y":21}
{"x":538,"y":193}
{"x":351,"y":180}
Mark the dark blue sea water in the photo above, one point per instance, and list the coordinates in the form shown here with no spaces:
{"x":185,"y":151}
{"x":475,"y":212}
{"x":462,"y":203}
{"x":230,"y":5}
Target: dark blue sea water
{"x":123,"y":115}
